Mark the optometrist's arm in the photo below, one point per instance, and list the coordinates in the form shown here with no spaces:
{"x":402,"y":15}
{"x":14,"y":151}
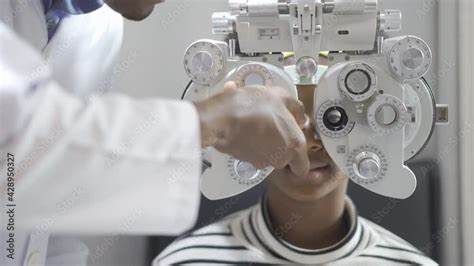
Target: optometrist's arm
{"x":260,"y":125}
{"x":106,"y":166}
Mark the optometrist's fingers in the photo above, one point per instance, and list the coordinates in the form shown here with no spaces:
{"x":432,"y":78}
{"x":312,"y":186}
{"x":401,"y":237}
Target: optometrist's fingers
{"x":297,"y":148}
{"x":230,"y":86}
{"x":295,"y":106}
{"x":256,"y":124}
{"x":300,"y":164}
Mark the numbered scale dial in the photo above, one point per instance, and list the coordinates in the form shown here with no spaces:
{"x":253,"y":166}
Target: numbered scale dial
{"x":204,"y":61}
{"x":253,"y":74}
{"x":357,"y":82}
{"x":409,"y":57}
{"x":332,"y":120}
{"x":387,"y":114}
{"x":366,"y":165}
{"x":245,"y":173}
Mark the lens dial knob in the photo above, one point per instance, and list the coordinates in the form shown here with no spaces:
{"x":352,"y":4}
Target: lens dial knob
{"x":245,"y":173}
{"x":335,"y":117}
{"x":366,"y":165}
{"x":332,"y":119}
{"x":245,"y":170}
{"x":357,"y":82}
{"x":201,"y":62}
{"x":387,"y":114}
{"x":204,"y":62}
{"x":369,"y":167}
{"x":409,"y":58}
{"x":253,"y":74}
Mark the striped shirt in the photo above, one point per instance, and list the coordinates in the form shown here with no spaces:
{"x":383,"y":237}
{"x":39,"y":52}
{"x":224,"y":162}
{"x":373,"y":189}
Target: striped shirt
{"x":246,"y":238}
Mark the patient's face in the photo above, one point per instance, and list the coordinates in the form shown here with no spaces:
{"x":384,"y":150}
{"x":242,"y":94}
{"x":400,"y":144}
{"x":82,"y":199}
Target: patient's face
{"x":133,"y":9}
{"x":324,"y":176}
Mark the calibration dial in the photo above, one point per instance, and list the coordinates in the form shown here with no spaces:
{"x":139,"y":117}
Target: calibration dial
{"x":204,"y":61}
{"x":332,"y":120}
{"x":357,"y":82}
{"x":387,"y":114}
{"x":409,"y":58}
{"x":366,"y":165}
{"x":245,"y":173}
{"x":253,"y":74}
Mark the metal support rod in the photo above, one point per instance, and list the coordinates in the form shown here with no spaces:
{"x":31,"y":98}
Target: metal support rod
{"x":231,"y":47}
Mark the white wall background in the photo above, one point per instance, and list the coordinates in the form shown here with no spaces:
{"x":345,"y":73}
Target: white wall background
{"x":155,"y":46}
{"x":151,"y":66}
{"x":466,"y":21}
{"x":466,"y":85}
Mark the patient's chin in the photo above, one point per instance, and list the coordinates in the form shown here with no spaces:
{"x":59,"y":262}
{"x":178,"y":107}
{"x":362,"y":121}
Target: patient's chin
{"x":310,"y":193}
{"x":312,"y":187}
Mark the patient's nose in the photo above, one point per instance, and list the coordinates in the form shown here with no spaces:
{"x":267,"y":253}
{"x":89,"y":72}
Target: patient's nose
{"x":313,"y":144}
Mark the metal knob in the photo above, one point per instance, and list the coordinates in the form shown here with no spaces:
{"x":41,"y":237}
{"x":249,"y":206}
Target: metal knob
{"x":256,"y":8}
{"x":367,"y":165}
{"x":390,"y":20}
{"x":409,"y":57}
{"x":385,"y":115}
{"x":334,"y":117}
{"x":223,"y":23}
{"x":369,"y":168}
{"x":412,"y":58}
{"x":238,"y":7}
{"x":307,"y":67}
{"x":202,"y":62}
{"x":245,"y":170}
{"x":351,"y":7}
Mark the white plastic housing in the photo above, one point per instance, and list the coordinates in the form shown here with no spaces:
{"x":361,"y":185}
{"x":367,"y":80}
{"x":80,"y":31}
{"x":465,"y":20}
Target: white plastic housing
{"x":397,"y":180}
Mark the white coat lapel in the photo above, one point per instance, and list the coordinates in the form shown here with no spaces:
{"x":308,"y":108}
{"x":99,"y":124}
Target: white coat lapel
{"x":84,"y":50}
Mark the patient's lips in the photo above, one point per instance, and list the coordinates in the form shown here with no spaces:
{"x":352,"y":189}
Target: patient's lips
{"x":318,"y":169}
{"x":317,"y":165}
{"x":318,"y":172}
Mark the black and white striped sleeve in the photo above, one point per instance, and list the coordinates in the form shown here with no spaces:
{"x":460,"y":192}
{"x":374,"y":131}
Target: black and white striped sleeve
{"x":214,"y":244}
{"x":390,"y":249}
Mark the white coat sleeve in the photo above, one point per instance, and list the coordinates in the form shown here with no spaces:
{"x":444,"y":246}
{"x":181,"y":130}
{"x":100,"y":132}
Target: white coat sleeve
{"x":105,"y":165}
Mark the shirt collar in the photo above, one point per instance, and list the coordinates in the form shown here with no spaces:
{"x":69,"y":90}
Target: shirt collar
{"x":73,"y":7}
{"x":56,"y":10}
{"x":344,"y":248}
{"x":47,"y":5}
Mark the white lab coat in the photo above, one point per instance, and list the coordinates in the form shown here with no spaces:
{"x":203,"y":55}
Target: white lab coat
{"x":86,"y":163}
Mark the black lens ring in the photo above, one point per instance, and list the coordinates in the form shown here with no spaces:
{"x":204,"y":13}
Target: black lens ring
{"x":368,"y":84}
{"x":342,"y":122}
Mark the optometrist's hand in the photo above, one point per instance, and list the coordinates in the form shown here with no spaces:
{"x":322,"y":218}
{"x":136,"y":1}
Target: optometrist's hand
{"x":256,"y":124}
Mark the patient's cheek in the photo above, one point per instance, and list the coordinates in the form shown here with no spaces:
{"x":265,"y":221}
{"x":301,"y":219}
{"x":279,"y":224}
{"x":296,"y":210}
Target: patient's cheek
{"x":339,"y":177}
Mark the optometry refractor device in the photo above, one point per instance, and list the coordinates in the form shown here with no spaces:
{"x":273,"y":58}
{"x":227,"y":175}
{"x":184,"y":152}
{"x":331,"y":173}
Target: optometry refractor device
{"x":373,"y":109}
